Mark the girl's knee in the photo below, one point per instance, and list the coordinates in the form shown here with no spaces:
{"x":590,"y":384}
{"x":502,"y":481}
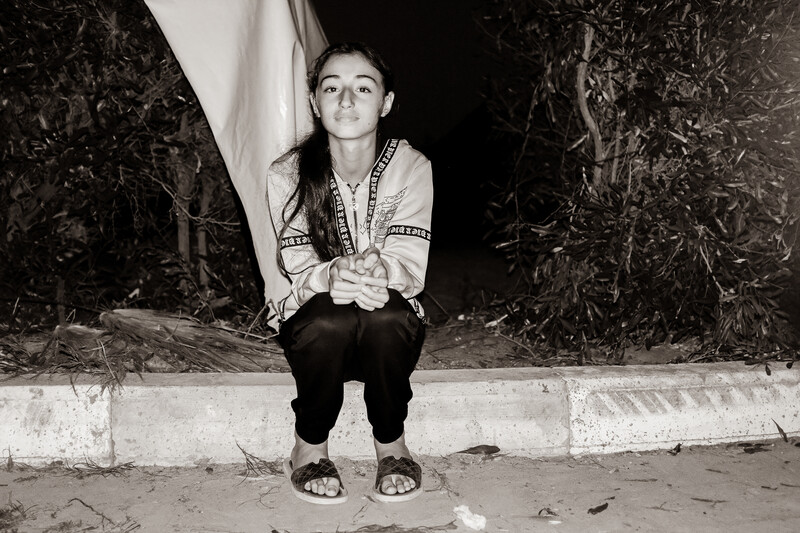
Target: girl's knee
{"x":320,"y":321}
{"x":396,"y":312}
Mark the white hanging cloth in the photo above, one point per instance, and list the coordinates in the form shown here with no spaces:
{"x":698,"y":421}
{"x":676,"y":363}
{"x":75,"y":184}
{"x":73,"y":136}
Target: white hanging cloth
{"x":247,"y":62}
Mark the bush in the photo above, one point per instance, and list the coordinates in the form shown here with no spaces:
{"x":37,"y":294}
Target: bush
{"x":112,"y":190}
{"x":652,"y":194}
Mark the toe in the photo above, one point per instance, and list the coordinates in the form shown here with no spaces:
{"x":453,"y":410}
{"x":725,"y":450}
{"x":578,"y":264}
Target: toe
{"x":397,"y":484}
{"x":403,"y":485}
{"x":333,"y":488}
{"x":324,"y":486}
{"x":388,"y":485}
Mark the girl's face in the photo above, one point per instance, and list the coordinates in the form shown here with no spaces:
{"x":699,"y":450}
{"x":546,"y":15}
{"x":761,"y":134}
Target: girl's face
{"x":350,"y":98}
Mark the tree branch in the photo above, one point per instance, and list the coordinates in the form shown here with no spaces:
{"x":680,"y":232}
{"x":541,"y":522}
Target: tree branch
{"x":580,"y":87}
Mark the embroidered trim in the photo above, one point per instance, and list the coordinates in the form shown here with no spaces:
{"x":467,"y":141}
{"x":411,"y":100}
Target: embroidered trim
{"x":300,"y":240}
{"x":410,"y":231}
{"x":341,"y":218}
{"x":377,"y":171}
{"x":418,"y":310}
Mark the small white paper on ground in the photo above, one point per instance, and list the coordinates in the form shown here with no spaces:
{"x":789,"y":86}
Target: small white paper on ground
{"x":470,"y":519}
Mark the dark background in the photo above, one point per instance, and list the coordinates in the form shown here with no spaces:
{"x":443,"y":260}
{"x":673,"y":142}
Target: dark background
{"x":434,"y":48}
{"x":439,"y":57}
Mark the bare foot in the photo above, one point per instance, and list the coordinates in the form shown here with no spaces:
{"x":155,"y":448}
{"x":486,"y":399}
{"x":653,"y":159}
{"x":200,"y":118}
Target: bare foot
{"x":304,"y":453}
{"x":394,"y":484}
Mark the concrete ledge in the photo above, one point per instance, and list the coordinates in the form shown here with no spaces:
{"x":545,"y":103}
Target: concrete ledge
{"x":523,"y":411}
{"x":185,"y":419}
{"x":50,"y":418}
{"x":615,"y":409}
{"x":198,"y":418}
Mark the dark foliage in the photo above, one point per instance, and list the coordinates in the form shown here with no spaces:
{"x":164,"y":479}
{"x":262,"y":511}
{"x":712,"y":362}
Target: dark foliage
{"x":653,"y":194}
{"x":104,"y":150}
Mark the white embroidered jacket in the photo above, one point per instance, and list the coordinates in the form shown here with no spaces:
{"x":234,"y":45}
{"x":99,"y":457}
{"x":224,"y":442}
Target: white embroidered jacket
{"x":390,"y":209}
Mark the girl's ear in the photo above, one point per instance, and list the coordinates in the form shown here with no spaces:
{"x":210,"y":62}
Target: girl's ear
{"x":388,"y":100}
{"x":314,"y":107}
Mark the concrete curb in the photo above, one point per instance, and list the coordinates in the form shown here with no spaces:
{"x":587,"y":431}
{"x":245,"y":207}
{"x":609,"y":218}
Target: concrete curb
{"x":189,"y":419}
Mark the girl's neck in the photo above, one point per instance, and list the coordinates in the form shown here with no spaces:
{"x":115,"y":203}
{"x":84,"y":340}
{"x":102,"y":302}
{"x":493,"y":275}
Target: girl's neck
{"x":353,"y":159}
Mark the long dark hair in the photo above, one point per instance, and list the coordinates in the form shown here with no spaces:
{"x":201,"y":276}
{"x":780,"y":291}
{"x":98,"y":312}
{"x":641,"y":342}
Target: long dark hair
{"x":315,"y":167}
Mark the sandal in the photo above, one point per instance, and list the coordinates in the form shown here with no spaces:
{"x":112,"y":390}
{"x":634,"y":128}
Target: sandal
{"x":401,"y":467}
{"x":304,"y":474}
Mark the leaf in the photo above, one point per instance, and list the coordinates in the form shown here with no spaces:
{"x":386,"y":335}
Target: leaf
{"x":754,"y":447}
{"x":567,"y":325}
{"x":676,"y":450}
{"x":679,"y":137}
{"x":482,"y":449}
{"x":781,"y":431}
{"x":599,"y":509}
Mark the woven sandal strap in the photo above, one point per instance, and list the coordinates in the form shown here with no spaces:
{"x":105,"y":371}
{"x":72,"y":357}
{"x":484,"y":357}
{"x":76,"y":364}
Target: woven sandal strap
{"x":400,"y":467}
{"x":306,"y":473}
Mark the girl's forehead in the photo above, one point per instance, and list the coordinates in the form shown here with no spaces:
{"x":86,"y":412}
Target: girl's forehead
{"x":349,"y":65}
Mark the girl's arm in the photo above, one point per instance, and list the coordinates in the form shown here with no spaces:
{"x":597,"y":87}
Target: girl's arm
{"x":405,"y":250}
{"x":309,"y":275}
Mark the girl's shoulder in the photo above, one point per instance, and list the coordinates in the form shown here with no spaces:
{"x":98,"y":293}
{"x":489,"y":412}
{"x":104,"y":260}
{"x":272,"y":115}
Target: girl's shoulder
{"x":403,"y":151}
{"x":285,"y":161}
{"x":405,"y":156}
{"x":285,"y":166}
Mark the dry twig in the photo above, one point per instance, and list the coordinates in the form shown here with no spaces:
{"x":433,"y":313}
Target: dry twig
{"x":90,"y":468}
{"x":257,"y":467}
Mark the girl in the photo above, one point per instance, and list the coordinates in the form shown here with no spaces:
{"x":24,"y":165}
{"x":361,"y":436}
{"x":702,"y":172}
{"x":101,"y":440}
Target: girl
{"x":352,"y":216}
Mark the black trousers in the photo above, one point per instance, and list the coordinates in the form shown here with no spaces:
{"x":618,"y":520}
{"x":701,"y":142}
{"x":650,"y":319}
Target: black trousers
{"x":328,"y":344}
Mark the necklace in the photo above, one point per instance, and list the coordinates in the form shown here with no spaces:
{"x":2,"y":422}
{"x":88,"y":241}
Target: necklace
{"x":349,"y":179}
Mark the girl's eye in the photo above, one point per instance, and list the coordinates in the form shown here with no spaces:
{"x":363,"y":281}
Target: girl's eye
{"x":364,"y":90}
{"x":329,"y":90}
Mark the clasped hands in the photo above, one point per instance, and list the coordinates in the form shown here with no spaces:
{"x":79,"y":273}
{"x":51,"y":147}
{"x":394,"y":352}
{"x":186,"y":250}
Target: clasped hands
{"x":360,"y":278}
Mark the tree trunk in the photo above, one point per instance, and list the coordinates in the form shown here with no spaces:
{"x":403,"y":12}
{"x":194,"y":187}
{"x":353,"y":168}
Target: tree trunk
{"x":207,"y":195}
{"x":184,"y":184}
{"x":60,"y":298}
{"x":183,"y":196}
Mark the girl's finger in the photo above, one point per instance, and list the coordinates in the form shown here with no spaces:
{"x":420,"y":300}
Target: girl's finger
{"x":358,"y":265}
{"x":374,"y":282}
{"x":350,"y":276}
{"x":381,"y":295}
{"x":370,"y":261}
{"x":372,"y":297}
{"x":364,"y":303}
{"x":342,"y":289}
{"x":379,"y":271}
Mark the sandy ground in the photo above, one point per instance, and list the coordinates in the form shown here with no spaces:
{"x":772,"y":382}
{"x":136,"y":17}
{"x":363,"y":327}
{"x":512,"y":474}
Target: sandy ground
{"x":733,"y":487}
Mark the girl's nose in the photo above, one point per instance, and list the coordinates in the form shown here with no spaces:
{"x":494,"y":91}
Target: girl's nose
{"x":347,"y":99}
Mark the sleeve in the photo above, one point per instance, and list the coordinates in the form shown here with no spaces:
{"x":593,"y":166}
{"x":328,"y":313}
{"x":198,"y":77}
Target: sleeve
{"x":308,"y":275}
{"x":405,"y":251}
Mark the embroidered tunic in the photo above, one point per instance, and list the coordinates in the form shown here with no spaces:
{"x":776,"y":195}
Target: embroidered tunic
{"x":390,"y":209}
